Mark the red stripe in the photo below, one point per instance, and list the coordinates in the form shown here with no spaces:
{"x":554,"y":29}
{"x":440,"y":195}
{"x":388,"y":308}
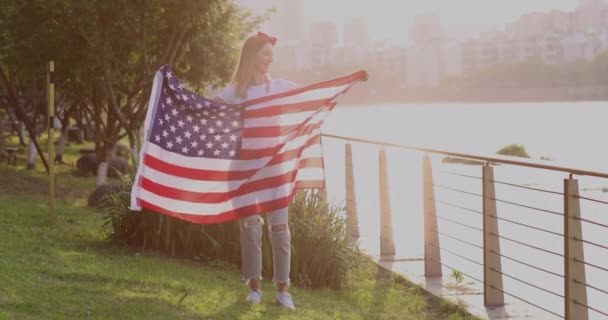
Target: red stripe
{"x":265,"y":132}
{"x":252,"y":154}
{"x":215,"y":175}
{"x":286,"y":108}
{"x":195,"y":174}
{"x":295,"y":153}
{"x":360,"y":75}
{"x":173,"y":192}
{"x":311,"y":184}
{"x":258,"y":208}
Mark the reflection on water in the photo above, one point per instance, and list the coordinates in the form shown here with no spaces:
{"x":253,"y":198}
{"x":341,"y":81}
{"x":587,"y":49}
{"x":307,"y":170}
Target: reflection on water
{"x":572,"y":133}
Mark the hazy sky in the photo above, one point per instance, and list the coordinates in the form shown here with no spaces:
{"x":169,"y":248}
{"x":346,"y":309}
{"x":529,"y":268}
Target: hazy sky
{"x":390,"y":19}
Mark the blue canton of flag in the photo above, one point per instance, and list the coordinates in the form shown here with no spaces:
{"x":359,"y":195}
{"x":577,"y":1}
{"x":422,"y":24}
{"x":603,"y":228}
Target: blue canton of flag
{"x":192,"y":125}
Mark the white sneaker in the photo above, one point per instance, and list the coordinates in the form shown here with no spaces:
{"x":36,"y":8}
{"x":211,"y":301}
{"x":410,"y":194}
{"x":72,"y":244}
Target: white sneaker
{"x":284,"y":299}
{"x":255,"y":296}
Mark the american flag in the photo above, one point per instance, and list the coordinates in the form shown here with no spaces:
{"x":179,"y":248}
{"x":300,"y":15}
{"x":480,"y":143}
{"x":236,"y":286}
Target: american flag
{"x":207,"y":162}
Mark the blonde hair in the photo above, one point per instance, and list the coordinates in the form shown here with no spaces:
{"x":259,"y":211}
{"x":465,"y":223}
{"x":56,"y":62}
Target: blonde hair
{"x":244,"y":74}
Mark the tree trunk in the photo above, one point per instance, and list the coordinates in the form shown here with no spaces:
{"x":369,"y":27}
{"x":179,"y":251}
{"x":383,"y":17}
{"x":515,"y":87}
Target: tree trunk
{"x":135,"y":145}
{"x":31,"y":158}
{"x":102,"y":169}
{"x":61,"y":145}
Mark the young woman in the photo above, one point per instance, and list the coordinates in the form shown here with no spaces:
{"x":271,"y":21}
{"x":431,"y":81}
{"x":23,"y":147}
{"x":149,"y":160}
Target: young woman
{"x":250,"y":81}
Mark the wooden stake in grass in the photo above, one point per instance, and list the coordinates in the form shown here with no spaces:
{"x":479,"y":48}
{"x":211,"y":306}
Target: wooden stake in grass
{"x":51,"y":105}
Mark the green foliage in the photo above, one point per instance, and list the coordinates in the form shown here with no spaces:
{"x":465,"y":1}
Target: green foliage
{"x":68,"y":271}
{"x":457,"y":276}
{"x":322,"y":253}
{"x":515,"y":150}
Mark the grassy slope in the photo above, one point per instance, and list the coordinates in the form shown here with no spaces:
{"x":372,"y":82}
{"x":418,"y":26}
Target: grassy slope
{"x":69,"y":271}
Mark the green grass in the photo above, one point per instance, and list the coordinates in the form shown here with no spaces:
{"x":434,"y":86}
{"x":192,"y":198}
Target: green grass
{"x":69,"y":271}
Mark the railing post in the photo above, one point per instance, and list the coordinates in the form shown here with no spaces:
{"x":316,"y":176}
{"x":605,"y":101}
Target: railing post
{"x":387,"y":244}
{"x":492,"y":268}
{"x":432,"y":255}
{"x":573,"y":251}
{"x":352,"y":221}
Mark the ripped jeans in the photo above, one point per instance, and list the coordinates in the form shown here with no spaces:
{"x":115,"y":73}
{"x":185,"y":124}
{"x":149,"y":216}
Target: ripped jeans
{"x":251,"y":245}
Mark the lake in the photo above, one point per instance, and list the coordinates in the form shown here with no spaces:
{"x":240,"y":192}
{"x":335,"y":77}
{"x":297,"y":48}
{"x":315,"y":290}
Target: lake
{"x":572,"y":134}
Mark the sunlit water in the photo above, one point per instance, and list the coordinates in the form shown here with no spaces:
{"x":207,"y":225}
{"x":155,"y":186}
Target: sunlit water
{"x":574,"y":134}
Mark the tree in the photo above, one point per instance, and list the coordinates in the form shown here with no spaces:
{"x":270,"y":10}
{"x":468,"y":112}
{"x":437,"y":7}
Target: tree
{"x":107,"y":52}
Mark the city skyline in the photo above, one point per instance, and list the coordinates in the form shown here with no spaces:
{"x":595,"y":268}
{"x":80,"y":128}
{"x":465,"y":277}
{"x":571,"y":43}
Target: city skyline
{"x":389,"y":20}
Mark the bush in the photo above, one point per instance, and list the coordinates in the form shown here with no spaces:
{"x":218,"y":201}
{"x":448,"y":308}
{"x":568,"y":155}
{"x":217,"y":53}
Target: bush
{"x":515,"y":150}
{"x":322,"y":252}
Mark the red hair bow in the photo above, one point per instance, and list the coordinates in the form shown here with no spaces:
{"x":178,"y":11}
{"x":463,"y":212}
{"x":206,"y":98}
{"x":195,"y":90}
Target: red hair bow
{"x":267,"y":38}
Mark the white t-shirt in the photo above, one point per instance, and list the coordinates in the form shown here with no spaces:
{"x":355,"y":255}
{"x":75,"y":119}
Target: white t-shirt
{"x":276,"y":86}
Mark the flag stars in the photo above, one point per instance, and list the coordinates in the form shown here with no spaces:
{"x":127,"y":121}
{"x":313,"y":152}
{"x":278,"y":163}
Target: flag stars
{"x":169,"y":144}
{"x":185,"y":97}
{"x":209,"y":145}
{"x":174,"y":112}
{"x":168,"y":100}
{"x":235,"y":124}
{"x":225,"y":145}
{"x":194,"y":144}
{"x":232,"y":153}
{"x":179,"y":140}
{"x":226,"y":130}
{"x":187,"y":134}
{"x":201,"y":152}
{"x":203,"y":137}
{"x":219,"y":123}
{"x":211,"y":130}
{"x":189,"y":118}
{"x":207,"y":103}
{"x":173,"y":128}
{"x":167,"y":117}
{"x":217,"y":137}
{"x":233,"y":137}
{"x":185,"y":149}
{"x":157,"y":138}
{"x":180,"y":123}
{"x":216,"y":152}
{"x":203,"y":121}
{"x":196,"y":128}
{"x":165,"y":133}
{"x":199,"y":105}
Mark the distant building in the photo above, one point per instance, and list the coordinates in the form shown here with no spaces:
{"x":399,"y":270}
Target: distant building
{"x":424,"y":56}
{"x":323,"y":38}
{"x":356,"y":32}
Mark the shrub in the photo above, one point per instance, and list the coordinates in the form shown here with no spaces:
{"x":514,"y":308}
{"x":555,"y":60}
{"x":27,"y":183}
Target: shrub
{"x":322,"y":252}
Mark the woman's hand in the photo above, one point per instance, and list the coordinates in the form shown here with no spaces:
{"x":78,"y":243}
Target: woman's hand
{"x":218,"y":99}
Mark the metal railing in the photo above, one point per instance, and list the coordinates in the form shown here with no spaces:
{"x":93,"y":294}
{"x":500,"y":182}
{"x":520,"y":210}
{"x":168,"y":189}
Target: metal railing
{"x":573,"y":276}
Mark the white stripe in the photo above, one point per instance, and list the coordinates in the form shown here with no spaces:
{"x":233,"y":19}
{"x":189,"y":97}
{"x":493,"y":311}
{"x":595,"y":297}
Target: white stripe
{"x":309,"y":95}
{"x":219,"y":186}
{"x":268,"y":142}
{"x":299,"y":141}
{"x":288,"y":119}
{"x":310,"y":174}
{"x":221,"y":164}
{"x":211,"y":209}
{"x":152,"y":106}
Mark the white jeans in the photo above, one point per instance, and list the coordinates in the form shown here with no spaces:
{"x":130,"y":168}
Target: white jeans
{"x":251,"y":246}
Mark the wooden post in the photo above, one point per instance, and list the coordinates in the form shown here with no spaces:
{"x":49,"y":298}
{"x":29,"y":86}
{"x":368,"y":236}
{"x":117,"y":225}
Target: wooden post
{"x":573,"y":251}
{"x":51,"y":110}
{"x":352,"y":220}
{"x":432,"y":255}
{"x":492,"y":278}
{"x":387,"y":244}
